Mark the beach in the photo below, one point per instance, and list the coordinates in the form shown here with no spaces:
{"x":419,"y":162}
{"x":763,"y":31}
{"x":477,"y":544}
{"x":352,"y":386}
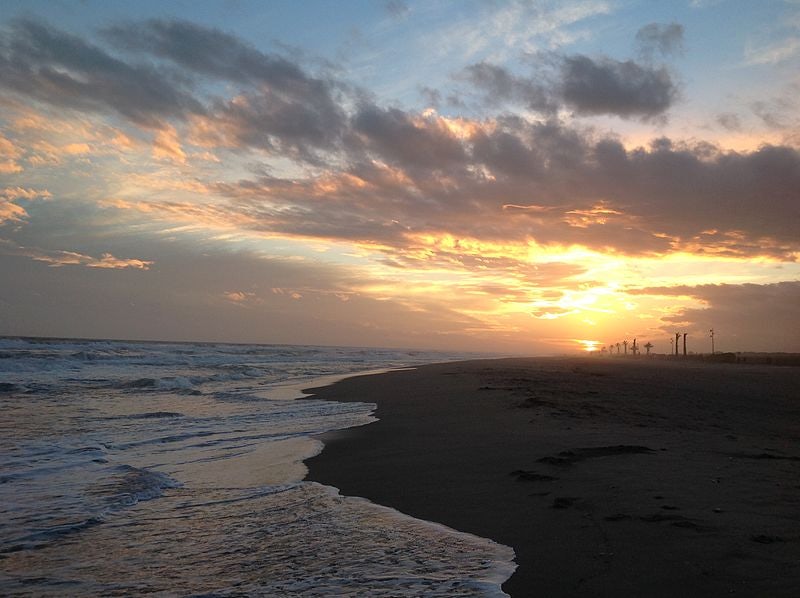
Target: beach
{"x":607,"y":476}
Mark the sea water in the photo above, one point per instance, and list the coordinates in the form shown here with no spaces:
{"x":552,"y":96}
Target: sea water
{"x":176,"y":468}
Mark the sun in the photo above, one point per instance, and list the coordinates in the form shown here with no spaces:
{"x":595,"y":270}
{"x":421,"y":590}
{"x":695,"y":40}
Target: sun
{"x":587,"y":345}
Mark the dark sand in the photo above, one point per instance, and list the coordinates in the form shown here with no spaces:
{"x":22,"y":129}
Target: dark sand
{"x":608,"y":477}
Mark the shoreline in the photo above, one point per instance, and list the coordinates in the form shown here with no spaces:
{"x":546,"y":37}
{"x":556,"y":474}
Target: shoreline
{"x":606,"y":477}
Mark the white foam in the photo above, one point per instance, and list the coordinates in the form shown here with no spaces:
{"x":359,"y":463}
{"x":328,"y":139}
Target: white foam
{"x":121,"y":457}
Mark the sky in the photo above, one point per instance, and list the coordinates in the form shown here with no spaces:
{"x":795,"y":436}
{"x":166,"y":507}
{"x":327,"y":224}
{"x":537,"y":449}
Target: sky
{"x":527,"y":177}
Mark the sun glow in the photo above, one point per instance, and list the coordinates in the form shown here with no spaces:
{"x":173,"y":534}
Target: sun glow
{"x":588,"y":346}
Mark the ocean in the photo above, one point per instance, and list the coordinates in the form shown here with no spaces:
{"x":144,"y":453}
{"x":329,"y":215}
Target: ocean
{"x":176,"y":469}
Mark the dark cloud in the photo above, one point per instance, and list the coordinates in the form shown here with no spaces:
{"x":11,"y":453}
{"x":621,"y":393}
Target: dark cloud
{"x":411,"y":142}
{"x":211,"y":52}
{"x":398,"y":173}
{"x":778,"y":113}
{"x":285,"y":109}
{"x":280,"y":107}
{"x":267,"y":119}
{"x":606,"y":86}
{"x":516,"y":180}
{"x":659,"y":39}
{"x":51,"y":66}
{"x":431,"y":97}
{"x":586,"y":85}
{"x":729,"y":121}
{"x":500,"y":86}
{"x":397,"y":8}
{"x":746,"y":317}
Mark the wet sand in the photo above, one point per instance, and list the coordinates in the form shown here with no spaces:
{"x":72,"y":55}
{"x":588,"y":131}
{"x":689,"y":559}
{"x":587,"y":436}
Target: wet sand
{"x":608,"y":476}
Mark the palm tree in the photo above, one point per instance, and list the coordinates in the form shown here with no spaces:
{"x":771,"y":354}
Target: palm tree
{"x":648,"y":346}
{"x":617,"y":348}
{"x":625,"y":344}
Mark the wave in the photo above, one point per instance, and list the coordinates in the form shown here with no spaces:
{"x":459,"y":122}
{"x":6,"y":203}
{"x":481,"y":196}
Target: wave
{"x":126,"y":487}
{"x":167,"y":383}
{"x":41,"y":538}
{"x":150,"y":415}
{"x":132,"y":485}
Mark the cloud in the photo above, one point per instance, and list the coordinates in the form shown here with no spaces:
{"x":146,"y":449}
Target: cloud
{"x":12,"y":193}
{"x":397,"y":136}
{"x":515,"y":180}
{"x":772,"y":53}
{"x":501,"y":86}
{"x":778,"y":113}
{"x":243,"y":298}
{"x":506,"y":29}
{"x":279,"y":106}
{"x":275,"y":122}
{"x":729,"y":121}
{"x":335,"y":308}
{"x":387,"y":177}
{"x":589,"y":86}
{"x":166,"y":145}
{"x":58,"y":258}
{"x":10,"y":211}
{"x":607,"y":86}
{"x":704,"y":3}
{"x":9,"y":156}
{"x":58,"y":68}
{"x":659,"y":39}
{"x":397,"y":8}
{"x":210,"y":52}
{"x":746,"y":317}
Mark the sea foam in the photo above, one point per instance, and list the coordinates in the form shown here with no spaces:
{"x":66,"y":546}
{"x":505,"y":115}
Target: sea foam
{"x":177,"y":468}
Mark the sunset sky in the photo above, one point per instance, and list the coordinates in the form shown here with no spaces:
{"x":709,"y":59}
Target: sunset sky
{"x":514,"y":176}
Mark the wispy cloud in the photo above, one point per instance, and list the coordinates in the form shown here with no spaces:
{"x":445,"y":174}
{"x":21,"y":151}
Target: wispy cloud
{"x":58,"y":258}
{"x":659,"y":39}
{"x":772,"y":53}
{"x":10,"y":211}
{"x":9,"y":157}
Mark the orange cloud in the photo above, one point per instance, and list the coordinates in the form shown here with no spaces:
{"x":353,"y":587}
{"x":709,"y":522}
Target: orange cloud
{"x":12,"y":193}
{"x":243,"y":298}
{"x":76,"y":149}
{"x":167,"y":146}
{"x":12,"y":212}
{"x":9,"y":154}
{"x":57,"y":258}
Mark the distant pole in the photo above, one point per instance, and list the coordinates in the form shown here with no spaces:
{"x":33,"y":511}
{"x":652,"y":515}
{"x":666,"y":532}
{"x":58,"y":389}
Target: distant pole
{"x":677,"y":340}
{"x":671,"y":346}
{"x":684,"y":343}
{"x":712,"y":340}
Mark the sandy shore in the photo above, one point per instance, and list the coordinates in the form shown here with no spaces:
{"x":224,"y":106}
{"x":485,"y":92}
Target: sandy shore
{"x":608,"y":477}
